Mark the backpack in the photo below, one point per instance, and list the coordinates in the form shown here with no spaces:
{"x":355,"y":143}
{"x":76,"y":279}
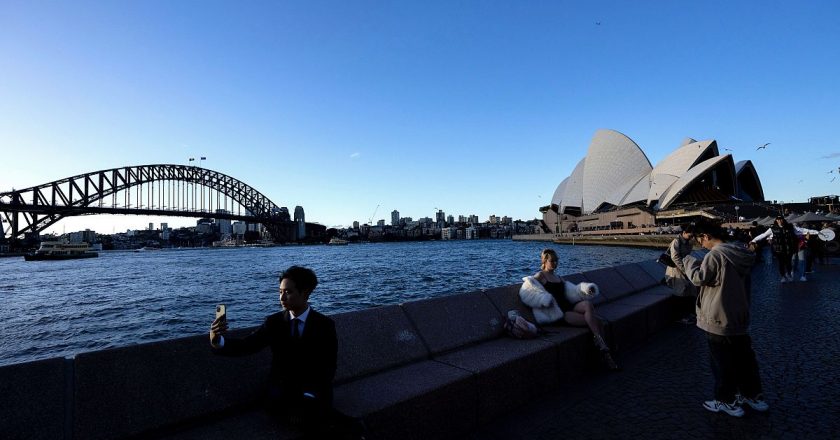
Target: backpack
{"x":519,"y":327}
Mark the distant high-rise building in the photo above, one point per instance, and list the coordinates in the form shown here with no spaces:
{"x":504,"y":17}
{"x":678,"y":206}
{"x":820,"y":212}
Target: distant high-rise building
{"x":440,"y":216}
{"x":506,"y":220}
{"x":356,"y":225}
{"x":380,"y":222}
{"x":239,"y":228}
{"x":450,"y":219}
{"x":395,"y":218}
{"x":224,"y":223}
{"x":474,"y":219}
{"x":493,"y":219}
{"x":151,"y":226}
{"x":301,"y":223}
{"x":164,"y":226}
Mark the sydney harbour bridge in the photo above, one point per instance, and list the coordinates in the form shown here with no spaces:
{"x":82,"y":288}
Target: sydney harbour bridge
{"x":160,"y":190}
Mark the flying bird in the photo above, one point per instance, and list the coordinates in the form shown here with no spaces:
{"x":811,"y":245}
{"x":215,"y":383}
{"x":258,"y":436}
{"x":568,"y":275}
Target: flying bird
{"x":727,"y":149}
{"x":763,"y":146}
{"x":800,"y":181}
{"x":832,"y":179}
{"x":597,"y":23}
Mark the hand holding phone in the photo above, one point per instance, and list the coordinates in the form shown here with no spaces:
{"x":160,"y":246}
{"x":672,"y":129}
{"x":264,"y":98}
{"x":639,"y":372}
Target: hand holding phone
{"x":219,"y":326}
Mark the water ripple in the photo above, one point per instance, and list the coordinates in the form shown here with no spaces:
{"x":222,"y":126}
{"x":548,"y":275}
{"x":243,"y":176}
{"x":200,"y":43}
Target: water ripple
{"x":122,"y":298}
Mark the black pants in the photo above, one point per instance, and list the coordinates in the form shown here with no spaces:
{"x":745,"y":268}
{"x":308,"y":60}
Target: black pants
{"x":785,"y":266}
{"x":734,"y":367}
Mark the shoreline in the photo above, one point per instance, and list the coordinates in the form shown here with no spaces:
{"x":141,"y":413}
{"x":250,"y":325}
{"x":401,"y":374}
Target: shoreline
{"x":637,"y":241}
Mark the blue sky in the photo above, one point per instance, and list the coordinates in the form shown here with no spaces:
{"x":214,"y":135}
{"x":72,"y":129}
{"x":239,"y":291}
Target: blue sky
{"x":473,"y":107}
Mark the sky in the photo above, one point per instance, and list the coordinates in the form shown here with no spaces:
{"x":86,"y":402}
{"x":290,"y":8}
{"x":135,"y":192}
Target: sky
{"x":471,"y":107}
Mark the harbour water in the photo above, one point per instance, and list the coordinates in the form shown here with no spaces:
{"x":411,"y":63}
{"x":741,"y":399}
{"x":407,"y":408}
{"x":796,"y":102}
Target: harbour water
{"x":60,"y":308}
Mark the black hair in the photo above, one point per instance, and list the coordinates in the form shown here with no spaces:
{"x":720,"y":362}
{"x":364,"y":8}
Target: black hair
{"x":688,"y":228}
{"x":304,"y":278}
{"x":712,"y":230}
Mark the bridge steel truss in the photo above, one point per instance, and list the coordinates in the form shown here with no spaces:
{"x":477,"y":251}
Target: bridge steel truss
{"x":32,"y":210}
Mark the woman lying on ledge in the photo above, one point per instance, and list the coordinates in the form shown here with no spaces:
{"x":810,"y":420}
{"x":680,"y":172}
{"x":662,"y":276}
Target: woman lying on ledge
{"x":553,"y":299}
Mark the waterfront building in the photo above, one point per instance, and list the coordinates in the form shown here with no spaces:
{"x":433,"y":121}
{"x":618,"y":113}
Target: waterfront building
{"x":356,"y":225}
{"x":470,"y":233}
{"x":395,"y":218}
{"x":447,"y":233}
{"x":239,"y":228}
{"x":450,"y":219}
{"x":151,"y":226}
{"x":299,"y":216}
{"x":380,"y":223}
{"x":493,"y":220}
{"x":440,"y":217}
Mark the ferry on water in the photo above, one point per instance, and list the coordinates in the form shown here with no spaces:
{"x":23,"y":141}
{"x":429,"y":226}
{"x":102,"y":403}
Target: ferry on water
{"x":337,"y":241}
{"x":61,"y":250}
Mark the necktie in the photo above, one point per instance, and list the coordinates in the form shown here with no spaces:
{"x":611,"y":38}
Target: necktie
{"x":295,"y":331}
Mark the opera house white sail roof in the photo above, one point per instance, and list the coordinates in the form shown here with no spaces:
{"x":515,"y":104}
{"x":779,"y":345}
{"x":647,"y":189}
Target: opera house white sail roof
{"x":616,"y":172}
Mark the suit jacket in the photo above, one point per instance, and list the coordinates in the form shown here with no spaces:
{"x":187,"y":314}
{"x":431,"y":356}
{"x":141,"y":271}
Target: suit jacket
{"x":298,"y":365}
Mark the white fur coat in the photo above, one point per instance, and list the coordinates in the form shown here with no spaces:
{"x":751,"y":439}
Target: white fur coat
{"x":545,"y":308}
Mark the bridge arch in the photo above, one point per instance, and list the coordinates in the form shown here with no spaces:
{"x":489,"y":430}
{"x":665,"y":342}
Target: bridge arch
{"x":31,"y":210}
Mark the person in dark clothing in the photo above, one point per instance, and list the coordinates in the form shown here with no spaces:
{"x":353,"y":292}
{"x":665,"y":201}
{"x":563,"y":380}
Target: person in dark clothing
{"x":755,"y":231}
{"x":785,"y":244}
{"x":304,"y":349}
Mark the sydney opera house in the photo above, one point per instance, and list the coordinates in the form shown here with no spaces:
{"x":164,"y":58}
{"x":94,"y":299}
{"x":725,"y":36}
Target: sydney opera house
{"x":615,"y":187}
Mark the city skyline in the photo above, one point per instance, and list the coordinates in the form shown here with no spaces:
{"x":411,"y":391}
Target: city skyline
{"x":475,"y":107}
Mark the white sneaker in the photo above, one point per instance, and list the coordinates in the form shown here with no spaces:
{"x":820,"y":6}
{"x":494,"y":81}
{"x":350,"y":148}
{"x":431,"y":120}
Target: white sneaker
{"x":803,"y":278}
{"x":757,"y":403}
{"x":783,"y":280}
{"x":732,"y":409}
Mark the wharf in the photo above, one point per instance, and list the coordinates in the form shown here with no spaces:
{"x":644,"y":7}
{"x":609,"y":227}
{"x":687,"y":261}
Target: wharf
{"x":646,"y":241}
{"x":796,"y":336}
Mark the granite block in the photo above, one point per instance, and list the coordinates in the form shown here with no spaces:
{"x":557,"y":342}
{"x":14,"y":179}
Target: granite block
{"x":127,"y":391}
{"x":654,"y":269}
{"x":423,"y":400}
{"x":454,"y":321}
{"x":375,"y":339}
{"x":509,"y":372}
{"x":33,"y":399}
{"x":627,"y":324}
{"x":638,"y":278}
{"x":611,"y":283}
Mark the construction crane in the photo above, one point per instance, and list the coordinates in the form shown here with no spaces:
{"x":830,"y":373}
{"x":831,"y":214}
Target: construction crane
{"x":370,"y":220}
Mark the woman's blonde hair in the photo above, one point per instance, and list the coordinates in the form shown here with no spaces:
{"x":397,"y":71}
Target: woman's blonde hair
{"x":544,"y":256}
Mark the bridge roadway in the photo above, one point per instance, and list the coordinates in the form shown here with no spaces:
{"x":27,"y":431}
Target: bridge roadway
{"x":796,"y":336}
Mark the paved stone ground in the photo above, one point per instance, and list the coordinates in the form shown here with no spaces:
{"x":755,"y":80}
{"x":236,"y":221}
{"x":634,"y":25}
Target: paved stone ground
{"x":796,"y":336}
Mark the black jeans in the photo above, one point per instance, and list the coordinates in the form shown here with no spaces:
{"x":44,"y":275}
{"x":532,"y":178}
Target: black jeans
{"x":734,"y":367}
{"x":785,"y":265}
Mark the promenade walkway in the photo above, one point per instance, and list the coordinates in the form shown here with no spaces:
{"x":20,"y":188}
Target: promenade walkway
{"x":796,"y":336}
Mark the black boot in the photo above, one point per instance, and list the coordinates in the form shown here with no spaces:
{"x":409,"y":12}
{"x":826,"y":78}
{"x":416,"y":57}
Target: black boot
{"x":606,"y":356}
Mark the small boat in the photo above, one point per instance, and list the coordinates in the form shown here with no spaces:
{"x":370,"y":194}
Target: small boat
{"x":61,"y":250}
{"x":337,"y":241}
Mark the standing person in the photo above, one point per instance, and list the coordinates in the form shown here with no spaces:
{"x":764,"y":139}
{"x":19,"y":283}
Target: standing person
{"x":579,"y":314}
{"x":785,"y":239}
{"x":675,"y":276}
{"x":723,"y":312}
{"x":304,"y":351}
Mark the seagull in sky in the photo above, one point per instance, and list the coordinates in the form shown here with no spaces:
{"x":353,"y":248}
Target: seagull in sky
{"x":727,"y":149}
{"x":832,"y":179}
{"x":597,"y":23}
{"x":800,"y":181}
{"x":762,"y":147}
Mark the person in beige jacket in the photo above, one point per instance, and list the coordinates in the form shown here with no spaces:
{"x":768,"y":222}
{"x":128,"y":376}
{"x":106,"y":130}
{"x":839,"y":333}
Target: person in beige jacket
{"x":675,"y":276}
{"x":723,"y":312}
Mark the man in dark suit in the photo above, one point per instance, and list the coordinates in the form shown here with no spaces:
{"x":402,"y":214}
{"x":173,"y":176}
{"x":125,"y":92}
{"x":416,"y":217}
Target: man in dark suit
{"x":304,"y":348}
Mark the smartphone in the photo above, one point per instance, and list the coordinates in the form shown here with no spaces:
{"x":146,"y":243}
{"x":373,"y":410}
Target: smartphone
{"x":220,"y":310}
